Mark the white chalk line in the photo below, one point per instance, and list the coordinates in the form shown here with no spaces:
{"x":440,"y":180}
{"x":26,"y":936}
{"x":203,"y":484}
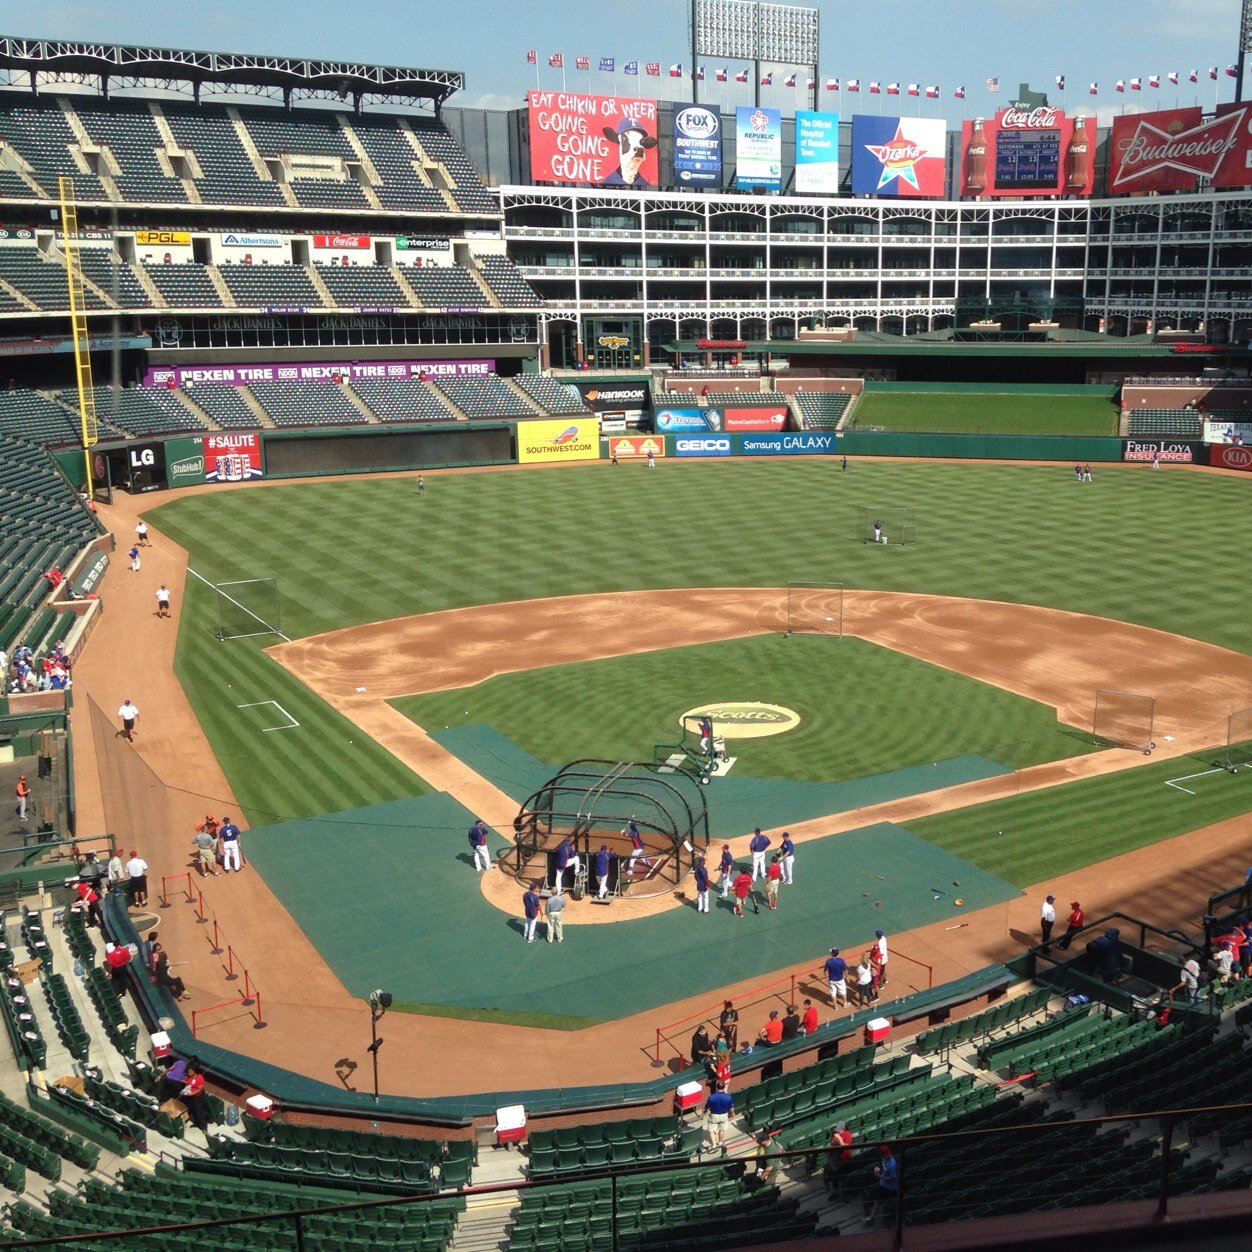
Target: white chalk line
{"x":1182,"y":778}
{"x":292,"y":723}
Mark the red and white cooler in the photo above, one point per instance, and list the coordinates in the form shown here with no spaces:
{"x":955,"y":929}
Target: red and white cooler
{"x":878,"y":1030}
{"x":688,"y":1096}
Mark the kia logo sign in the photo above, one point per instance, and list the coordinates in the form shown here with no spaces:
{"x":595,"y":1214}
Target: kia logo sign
{"x":1233,"y":458}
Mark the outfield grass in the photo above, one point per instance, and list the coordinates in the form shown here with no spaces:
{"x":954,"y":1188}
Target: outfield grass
{"x":864,"y":709}
{"x":1133,"y":545}
{"x":1042,"y":834}
{"x":983,"y":412}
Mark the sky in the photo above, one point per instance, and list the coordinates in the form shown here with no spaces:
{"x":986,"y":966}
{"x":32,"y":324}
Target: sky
{"x":948,"y":43}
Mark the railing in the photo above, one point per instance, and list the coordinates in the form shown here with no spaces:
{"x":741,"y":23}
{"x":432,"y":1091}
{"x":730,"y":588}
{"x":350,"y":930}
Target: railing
{"x":251,"y":997}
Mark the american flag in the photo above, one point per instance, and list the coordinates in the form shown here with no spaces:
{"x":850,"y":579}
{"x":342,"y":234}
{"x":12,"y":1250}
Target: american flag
{"x":582,"y":63}
{"x":532,"y":57}
{"x":993,"y":84}
{"x":557,"y":60}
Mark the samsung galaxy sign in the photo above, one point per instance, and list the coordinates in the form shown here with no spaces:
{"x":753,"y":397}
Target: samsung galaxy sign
{"x":801,"y":443}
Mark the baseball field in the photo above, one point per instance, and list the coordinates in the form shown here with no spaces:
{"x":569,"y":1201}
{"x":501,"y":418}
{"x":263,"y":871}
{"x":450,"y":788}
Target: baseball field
{"x":985,"y":410}
{"x":433,"y":656}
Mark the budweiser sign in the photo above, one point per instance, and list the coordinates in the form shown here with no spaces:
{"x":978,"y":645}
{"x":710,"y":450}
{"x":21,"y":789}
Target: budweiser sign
{"x":341,"y":241}
{"x":1022,"y":117}
{"x":1150,"y":149}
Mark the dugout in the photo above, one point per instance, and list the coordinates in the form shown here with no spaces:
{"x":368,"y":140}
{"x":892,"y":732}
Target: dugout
{"x":593,"y":802}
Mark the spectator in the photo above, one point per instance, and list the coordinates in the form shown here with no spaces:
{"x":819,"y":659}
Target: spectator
{"x":791,"y":1023}
{"x":838,"y":1159}
{"x":721,"y":1062}
{"x":837,"y":977}
{"x":1106,"y":955}
{"x":89,"y":902}
{"x":137,"y":871}
{"x":718,"y":1108}
{"x":772,"y":1032}
{"x":1074,"y":923}
{"x":809,"y":1025}
{"x":702,"y":1050}
{"x":192,"y":1096}
{"x":729,"y":1022}
{"x":773,"y":878}
{"x":762,"y":1167}
{"x":555,"y":913}
{"x":117,"y":958}
{"x":1190,"y":983}
{"x":161,"y":967}
{"x":886,"y":1182}
{"x":145,"y":950}
{"x":742,"y":887}
{"x":54,"y":576}
{"x":172,"y":1080}
{"x":880,"y":942}
{"x":117,"y":871}
{"x":205,"y":840}
{"x":865,"y":992}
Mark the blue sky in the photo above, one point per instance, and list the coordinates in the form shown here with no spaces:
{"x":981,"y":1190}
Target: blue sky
{"x":946,"y":42}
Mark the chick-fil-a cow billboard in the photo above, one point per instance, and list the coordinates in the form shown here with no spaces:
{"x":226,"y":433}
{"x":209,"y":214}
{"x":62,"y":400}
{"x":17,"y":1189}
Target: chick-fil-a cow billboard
{"x":607,"y":141}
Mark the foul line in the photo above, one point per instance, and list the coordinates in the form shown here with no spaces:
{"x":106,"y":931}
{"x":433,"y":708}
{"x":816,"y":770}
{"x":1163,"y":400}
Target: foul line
{"x":1182,"y":778}
{"x":272,"y":629}
{"x":292,"y":723}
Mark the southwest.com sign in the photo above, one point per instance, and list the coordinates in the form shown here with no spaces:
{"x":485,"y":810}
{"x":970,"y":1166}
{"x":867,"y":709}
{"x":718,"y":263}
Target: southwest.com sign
{"x":801,"y":443}
{"x":558,"y":441}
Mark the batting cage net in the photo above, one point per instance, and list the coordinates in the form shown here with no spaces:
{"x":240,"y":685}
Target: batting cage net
{"x":247,"y":608}
{"x":1124,"y":720}
{"x":815,"y":609}
{"x":598,"y":804}
{"x":1239,"y":739}
{"x":885,"y":524}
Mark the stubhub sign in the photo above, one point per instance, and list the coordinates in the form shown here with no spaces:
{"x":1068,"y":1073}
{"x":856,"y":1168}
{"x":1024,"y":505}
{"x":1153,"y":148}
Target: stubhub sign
{"x":788,"y":444}
{"x":701,"y":445}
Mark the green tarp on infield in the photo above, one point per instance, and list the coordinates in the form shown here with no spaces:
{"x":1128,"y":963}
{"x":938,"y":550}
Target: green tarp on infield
{"x":413,"y":920}
{"x":736,"y":802}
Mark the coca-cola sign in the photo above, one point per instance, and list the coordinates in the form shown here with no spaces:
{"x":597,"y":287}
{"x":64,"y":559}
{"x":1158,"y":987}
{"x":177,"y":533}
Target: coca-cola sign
{"x":1028,"y":150}
{"x":1020,"y":116}
{"x":341,"y":242}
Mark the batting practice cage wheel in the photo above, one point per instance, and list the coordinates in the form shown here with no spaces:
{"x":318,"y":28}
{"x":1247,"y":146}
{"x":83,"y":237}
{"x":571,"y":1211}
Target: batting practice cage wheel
{"x":898,"y":525}
{"x":247,"y":608}
{"x":1238,"y":740}
{"x":815,"y":609}
{"x":593,"y":803}
{"x":1123,"y":719}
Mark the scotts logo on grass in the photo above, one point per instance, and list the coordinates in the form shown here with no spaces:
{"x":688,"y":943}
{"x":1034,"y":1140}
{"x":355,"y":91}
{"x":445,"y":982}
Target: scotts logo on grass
{"x":744,"y":719}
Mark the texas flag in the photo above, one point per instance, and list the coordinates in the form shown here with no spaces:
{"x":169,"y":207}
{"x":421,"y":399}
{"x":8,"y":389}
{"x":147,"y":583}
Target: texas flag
{"x":1232,"y":71}
{"x":832,"y":84}
{"x":1060,"y":82}
{"x":767,"y":80}
{"x":893,"y":89}
{"x":1093,"y":89}
{"x":959,"y":93}
{"x":742,"y":76}
{"x":932,"y":93}
{"x":1213,"y":72}
{"x":854,"y":84}
{"x":1120,"y":85}
{"x":675,"y":71}
{"x":874,"y":89}
{"x":723,"y":74}
{"x":1136,"y":84}
{"x":700,"y":74}
{"x":914,"y":89}
{"x":1173,"y":77}
{"x":1154,"y":80}
{"x":790,"y":80}
{"x":1194,"y":76}
{"x":810,"y":83}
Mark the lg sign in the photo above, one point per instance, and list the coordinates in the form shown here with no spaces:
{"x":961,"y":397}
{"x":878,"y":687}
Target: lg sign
{"x":142,"y":458}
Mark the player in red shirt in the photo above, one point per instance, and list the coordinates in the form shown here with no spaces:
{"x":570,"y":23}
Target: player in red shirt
{"x":773,"y":877}
{"x":1074,"y":923}
{"x":741,"y":887}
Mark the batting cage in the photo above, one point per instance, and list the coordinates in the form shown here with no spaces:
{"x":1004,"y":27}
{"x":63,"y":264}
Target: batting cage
{"x":815,"y":609}
{"x":1238,"y":739}
{"x":247,"y":607}
{"x":652,"y":825}
{"x":886,"y":524}
{"x":1123,"y":719}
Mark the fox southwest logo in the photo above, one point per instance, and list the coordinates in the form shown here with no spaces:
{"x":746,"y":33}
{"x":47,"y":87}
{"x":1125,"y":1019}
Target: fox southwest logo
{"x":743,"y":719}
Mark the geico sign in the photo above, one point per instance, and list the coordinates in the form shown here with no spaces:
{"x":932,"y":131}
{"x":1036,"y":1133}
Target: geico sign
{"x":710,"y":445}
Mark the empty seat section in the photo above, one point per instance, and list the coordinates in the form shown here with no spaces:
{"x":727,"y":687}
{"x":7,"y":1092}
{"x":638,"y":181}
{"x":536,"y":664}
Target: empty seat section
{"x":225,"y":406}
{"x":445,"y":286}
{"x":484,"y":396}
{"x":554,"y":397}
{"x":185,"y":286}
{"x":505,"y":279}
{"x":402,"y":400}
{"x":127,"y":129}
{"x":306,"y":404}
{"x":370,"y":285}
{"x":822,"y":410}
{"x":38,"y":131}
{"x":227,"y":175}
{"x":271,"y":286}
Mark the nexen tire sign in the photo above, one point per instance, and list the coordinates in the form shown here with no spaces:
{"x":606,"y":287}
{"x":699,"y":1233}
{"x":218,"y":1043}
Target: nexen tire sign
{"x":558,"y":441}
{"x":701,"y":445}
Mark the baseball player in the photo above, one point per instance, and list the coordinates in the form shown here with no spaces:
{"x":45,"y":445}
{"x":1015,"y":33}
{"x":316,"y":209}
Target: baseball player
{"x":228,"y":841}
{"x":23,"y":797}
{"x":702,"y":886}
{"x":727,"y":868}
{"x":757,"y":846}
{"x":637,"y":852}
{"x":478,"y":845}
{"x":163,"y":601}
{"x":788,"y":853}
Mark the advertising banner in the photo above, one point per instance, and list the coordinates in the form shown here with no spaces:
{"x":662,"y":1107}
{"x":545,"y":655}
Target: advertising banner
{"x":232,"y":457}
{"x":754,"y":419}
{"x":636,"y":447}
{"x":609,"y":141}
{"x":802,"y":443}
{"x":898,"y":156}
{"x":341,"y":243}
{"x":701,"y":445}
{"x":697,"y":147}
{"x":1230,"y":456}
{"x":310,"y":371}
{"x":145,"y":466}
{"x":1171,"y":451}
{"x":600,"y":397}
{"x":184,"y":461}
{"x":242,"y":239}
{"x":421,"y":243}
{"x":1028,"y":150}
{"x":1171,"y":149}
{"x":669,"y":421}
{"x":817,"y":152}
{"x":758,"y":148}
{"x":160,"y":238}
{"x":558,"y":441}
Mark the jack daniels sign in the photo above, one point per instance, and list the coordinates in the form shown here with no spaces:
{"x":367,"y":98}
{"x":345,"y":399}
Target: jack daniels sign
{"x":339,"y":330}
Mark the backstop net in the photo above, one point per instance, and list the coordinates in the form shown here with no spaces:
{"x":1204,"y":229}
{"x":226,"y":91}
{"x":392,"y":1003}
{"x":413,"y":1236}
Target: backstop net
{"x":1123,"y":719}
{"x":247,"y":607}
{"x":886,"y":524}
{"x":815,"y":609}
{"x":1239,"y":739}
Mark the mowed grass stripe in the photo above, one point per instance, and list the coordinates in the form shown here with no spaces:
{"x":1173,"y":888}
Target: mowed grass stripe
{"x":1041,"y":834}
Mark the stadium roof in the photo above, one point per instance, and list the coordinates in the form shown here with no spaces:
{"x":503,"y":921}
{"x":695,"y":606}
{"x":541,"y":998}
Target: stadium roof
{"x":127,"y":65}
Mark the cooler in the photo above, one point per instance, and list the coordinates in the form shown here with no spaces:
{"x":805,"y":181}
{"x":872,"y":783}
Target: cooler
{"x":878,"y":1030}
{"x":688,"y":1096}
{"x":160,"y":1045}
{"x":510,"y":1124}
{"x":260,"y":1106}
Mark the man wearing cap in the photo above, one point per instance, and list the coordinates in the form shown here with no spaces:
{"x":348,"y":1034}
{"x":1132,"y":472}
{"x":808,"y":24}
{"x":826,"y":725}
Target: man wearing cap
{"x":702,"y":885}
{"x":726,"y":866}
{"x":603,"y":859}
{"x":743,"y":887}
{"x":478,"y":845}
{"x":633,"y":142}
{"x":838,"y":1158}
{"x":772,"y":1032}
{"x":637,"y":852}
{"x":787,"y":851}
{"x":757,"y":845}
{"x":129,"y":715}
{"x":880,"y":942}
{"x":556,"y":919}
{"x":1047,"y":919}
{"x":837,"y":977}
{"x":137,"y":872}
{"x":205,"y":840}
{"x":532,"y":911}
{"x":228,"y":842}
{"x":23,"y":797}
{"x":117,"y":871}
{"x":1073,"y":924}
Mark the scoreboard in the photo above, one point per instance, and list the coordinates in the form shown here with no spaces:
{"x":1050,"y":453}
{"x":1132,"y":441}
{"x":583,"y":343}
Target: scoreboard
{"x":1028,"y":160}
